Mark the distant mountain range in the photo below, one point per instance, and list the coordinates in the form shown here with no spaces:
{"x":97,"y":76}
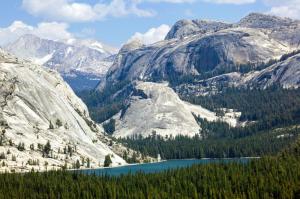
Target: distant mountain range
{"x":82,"y":63}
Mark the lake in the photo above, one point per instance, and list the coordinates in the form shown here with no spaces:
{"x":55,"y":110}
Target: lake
{"x":159,"y":166}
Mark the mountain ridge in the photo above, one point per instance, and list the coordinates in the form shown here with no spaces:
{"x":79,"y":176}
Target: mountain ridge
{"x":258,"y":51}
{"x":230,"y":48}
{"x":38,"y":107}
{"x":82,"y":63}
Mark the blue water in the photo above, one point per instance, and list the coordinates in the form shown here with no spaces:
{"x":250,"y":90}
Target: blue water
{"x":157,"y":167}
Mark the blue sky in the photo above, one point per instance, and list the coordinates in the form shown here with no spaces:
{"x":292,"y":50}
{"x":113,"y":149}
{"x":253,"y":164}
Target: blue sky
{"x":116,"y":21}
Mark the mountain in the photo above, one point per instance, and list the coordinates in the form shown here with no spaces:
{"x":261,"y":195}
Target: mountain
{"x":37,"y":106}
{"x":93,"y":44}
{"x":81,"y":62}
{"x":284,"y":73}
{"x":197,"y":58}
{"x":214,"y":48}
{"x":184,"y":28}
{"x":156,"y":108}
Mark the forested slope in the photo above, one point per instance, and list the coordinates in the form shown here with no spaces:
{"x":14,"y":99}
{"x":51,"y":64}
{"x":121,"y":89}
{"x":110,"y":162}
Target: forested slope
{"x":269,"y":177}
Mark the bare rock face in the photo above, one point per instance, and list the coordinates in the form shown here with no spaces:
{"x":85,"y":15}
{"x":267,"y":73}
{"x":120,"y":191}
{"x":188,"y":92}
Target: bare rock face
{"x":258,"y":20}
{"x":184,"y":28}
{"x":217,"y":47}
{"x":135,"y":44}
{"x":154,"y":108}
{"x":38,"y":106}
{"x":196,"y":55}
{"x":285,"y":73}
{"x":281,"y":29}
{"x":194,"y":48}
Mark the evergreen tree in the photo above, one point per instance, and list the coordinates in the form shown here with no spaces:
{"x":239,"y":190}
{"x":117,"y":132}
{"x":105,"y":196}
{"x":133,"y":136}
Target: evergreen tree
{"x":88,"y":163}
{"x":21,"y":146}
{"x":77,"y":164}
{"x":107,"y":161}
{"x":58,"y":123}
{"x":51,"y":125}
{"x":47,"y":149}
{"x":109,"y":127}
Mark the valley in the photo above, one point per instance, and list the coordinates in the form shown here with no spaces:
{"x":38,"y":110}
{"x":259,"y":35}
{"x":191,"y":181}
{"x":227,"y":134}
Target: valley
{"x":207,"y":95}
{"x":159,"y":98}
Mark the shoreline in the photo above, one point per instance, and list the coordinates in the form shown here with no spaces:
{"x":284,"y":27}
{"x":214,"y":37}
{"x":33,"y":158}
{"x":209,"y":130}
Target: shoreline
{"x":112,"y":167}
{"x":125,"y":165}
{"x":135,"y":164}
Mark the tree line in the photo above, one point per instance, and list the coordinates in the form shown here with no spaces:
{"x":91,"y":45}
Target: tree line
{"x":269,"y":177}
{"x":183,"y":147}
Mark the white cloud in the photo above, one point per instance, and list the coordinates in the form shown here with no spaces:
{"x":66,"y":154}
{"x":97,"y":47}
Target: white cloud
{"x":236,"y":2}
{"x":53,"y":31}
{"x":73,"y":11}
{"x":152,"y":35}
{"x":68,"y":10}
{"x":286,"y":8}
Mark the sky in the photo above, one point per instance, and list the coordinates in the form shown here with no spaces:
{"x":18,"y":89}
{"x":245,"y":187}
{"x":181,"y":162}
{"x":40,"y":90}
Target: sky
{"x":116,"y":22}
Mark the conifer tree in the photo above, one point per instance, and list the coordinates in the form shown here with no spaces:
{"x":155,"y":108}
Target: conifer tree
{"x":47,"y":148}
{"x":107,"y":161}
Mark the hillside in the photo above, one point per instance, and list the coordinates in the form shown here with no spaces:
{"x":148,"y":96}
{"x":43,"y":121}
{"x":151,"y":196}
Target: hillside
{"x":37,"y":106}
{"x":221,"y":180}
{"x":154,"y":108}
{"x":197,"y":58}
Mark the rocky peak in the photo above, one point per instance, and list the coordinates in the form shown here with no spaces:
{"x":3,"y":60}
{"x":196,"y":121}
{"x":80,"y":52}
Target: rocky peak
{"x":81,"y":56}
{"x":93,"y":44}
{"x":32,"y":47}
{"x":132,"y":45}
{"x":29,"y":37}
{"x":185,"y":27}
{"x":258,"y":20}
